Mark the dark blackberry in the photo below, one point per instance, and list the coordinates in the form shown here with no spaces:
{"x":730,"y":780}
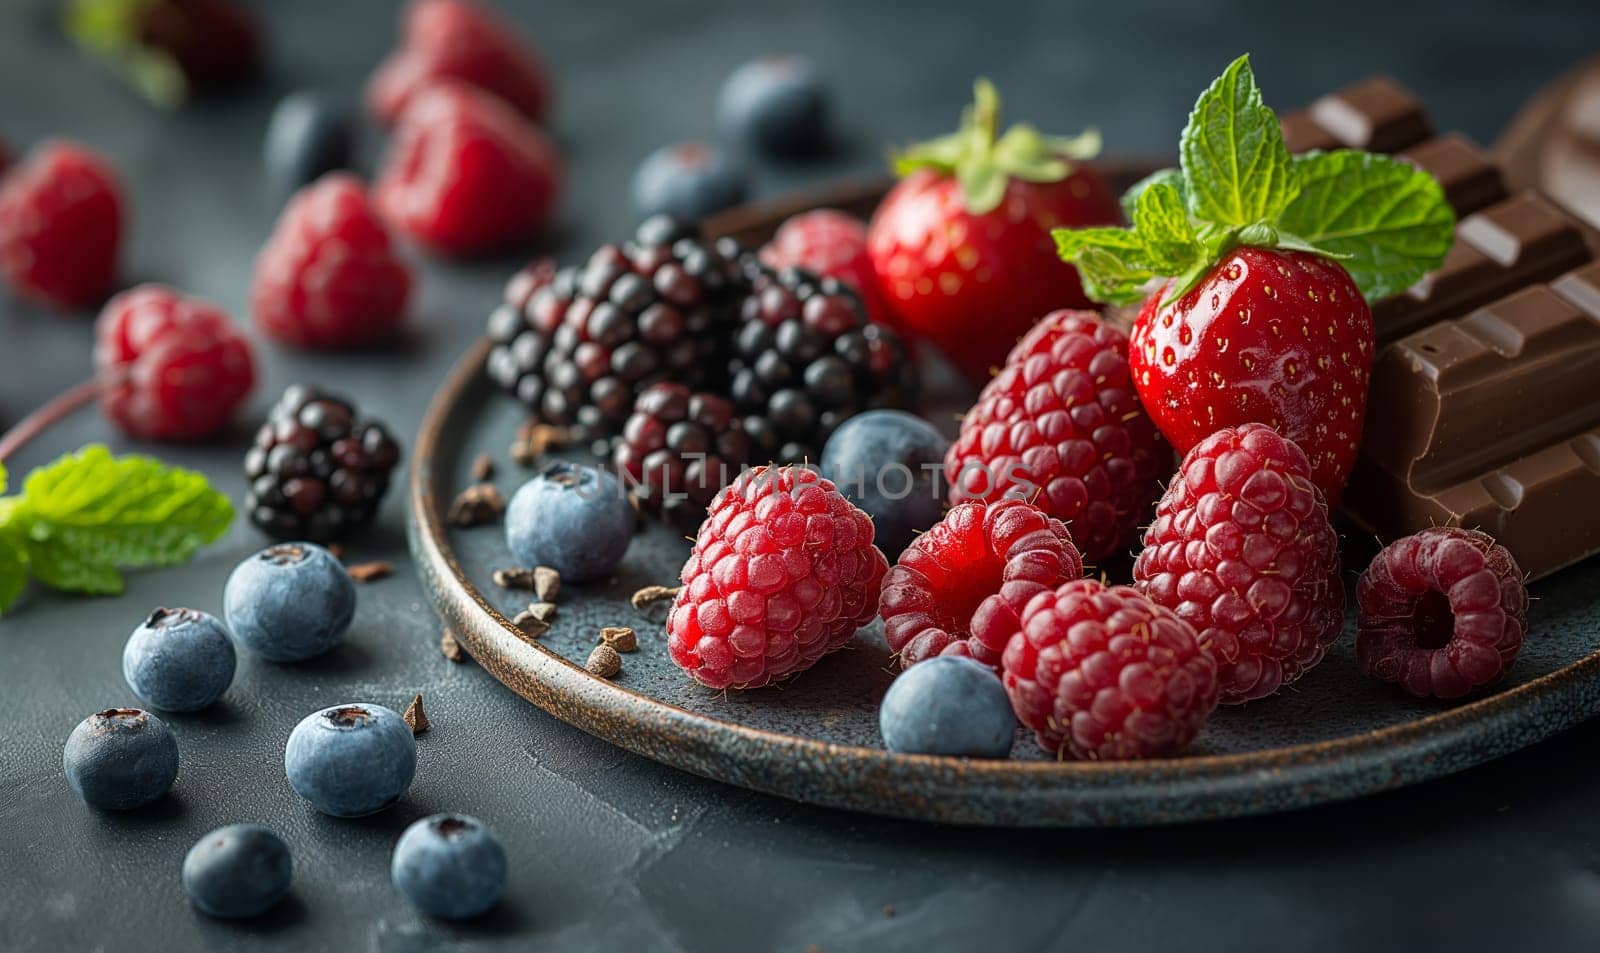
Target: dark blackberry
{"x":316,"y":471}
{"x":586,"y":340}
{"x":806,"y":359}
{"x":679,"y":448}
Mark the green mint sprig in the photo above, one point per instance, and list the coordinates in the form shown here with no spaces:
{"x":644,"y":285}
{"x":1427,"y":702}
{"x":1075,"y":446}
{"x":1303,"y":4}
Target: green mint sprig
{"x":81,"y":520}
{"x":983,"y":160}
{"x":1385,"y":221}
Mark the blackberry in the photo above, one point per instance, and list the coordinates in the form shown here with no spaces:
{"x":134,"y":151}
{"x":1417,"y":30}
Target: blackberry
{"x":806,"y":359}
{"x":587,"y":339}
{"x":316,"y":471}
{"x":680,"y":448}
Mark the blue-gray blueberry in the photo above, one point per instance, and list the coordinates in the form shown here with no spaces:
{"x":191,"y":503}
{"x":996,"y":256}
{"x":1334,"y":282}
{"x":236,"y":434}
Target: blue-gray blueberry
{"x":179,"y":660}
{"x":575,"y":519}
{"x":449,"y":866}
{"x":351,"y":760}
{"x":289,"y":602}
{"x":120,"y":758}
{"x":237,"y":871}
{"x":948,"y":705}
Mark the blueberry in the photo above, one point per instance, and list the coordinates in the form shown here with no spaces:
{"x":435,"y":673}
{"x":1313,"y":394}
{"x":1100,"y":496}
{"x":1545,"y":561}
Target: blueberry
{"x":289,"y":602}
{"x":307,"y":136}
{"x":777,"y":106}
{"x":574,"y":519}
{"x":948,"y":705}
{"x":891,"y":464}
{"x":178,"y":660}
{"x":449,"y":866}
{"x":351,"y":760}
{"x":120,"y":758}
{"x":688,"y":181}
{"x":237,"y":871}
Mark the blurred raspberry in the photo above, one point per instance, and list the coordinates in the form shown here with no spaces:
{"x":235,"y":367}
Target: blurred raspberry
{"x":61,"y":226}
{"x":832,"y":244}
{"x":445,"y":40}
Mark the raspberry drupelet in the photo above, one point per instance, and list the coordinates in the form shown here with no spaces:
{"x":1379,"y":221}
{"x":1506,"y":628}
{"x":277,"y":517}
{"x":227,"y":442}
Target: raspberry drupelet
{"x":783,"y":572}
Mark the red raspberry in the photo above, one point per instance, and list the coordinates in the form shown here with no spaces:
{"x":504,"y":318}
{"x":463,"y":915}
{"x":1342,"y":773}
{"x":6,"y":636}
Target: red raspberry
{"x":328,"y":277}
{"x":959,"y":588}
{"x":783,"y":572}
{"x":832,"y":244}
{"x":1242,"y":550}
{"x":456,"y":40}
{"x":464,"y":173}
{"x":1061,"y":426}
{"x":175,"y":368}
{"x":1103,"y":672}
{"x":61,"y":226}
{"x":1441,"y":613}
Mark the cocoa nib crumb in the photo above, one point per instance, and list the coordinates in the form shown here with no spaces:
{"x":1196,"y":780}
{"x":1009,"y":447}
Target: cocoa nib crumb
{"x":514,"y":577}
{"x":529,"y":624}
{"x":534,"y":440}
{"x":654,"y":602}
{"x":450,"y":648}
{"x":543,"y":611}
{"x":888,"y":909}
{"x":619,"y":637}
{"x":546,"y":583}
{"x":371,"y":572}
{"x":483,"y":468}
{"x":335,"y":550}
{"x":416,"y":718}
{"x":604,"y":661}
{"x":478,"y":504}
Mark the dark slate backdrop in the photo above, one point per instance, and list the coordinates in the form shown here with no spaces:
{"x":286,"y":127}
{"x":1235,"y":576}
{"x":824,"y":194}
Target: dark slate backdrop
{"x":609,"y":850}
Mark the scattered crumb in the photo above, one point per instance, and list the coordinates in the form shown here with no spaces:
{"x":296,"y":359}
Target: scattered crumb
{"x":813,"y":948}
{"x":604,"y":661}
{"x":534,"y":440}
{"x":483,"y":468}
{"x":371,"y":572}
{"x":416,"y":718}
{"x":888,"y":909}
{"x":619,"y":637}
{"x":478,"y":504}
{"x":530,"y":625}
{"x":514,"y":577}
{"x":450,"y":648}
{"x":335,"y":550}
{"x":653,"y":602}
{"x":546,"y":583}
{"x":543,"y":611}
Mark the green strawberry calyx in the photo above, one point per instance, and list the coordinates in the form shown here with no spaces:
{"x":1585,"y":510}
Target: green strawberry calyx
{"x":1387,"y":222}
{"x":983,"y":160}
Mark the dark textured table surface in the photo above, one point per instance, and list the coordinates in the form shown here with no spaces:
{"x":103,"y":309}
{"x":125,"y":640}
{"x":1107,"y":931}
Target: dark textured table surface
{"x":610,"y":851}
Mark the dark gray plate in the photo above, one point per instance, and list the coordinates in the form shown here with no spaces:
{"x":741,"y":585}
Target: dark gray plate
{"x":1336,"y":734}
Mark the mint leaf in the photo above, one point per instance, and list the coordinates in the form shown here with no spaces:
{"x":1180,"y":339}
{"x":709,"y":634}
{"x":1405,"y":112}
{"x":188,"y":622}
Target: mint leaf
{"x":1389,"y":220}
{"x":1130,"y":198}
{"x":13,"y":557}
{"x":1113,"y":263}
{"x":1162,"y":224}
{"x":1235,"y":166}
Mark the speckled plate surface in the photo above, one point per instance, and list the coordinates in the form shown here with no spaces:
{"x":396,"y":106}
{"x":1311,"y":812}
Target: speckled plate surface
{"x":1334,"y":735}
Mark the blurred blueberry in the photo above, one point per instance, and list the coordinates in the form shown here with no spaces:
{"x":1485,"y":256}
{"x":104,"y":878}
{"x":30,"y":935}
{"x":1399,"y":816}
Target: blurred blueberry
{"x":574,"y":519}
{"x":307,"y":136}
{"x":891,"y":464}
{"x":777,"y":106}
{"x":687,"y":181}
{"x":179,"y":660}
{"x":449,"y":866}
{"x":948,"y":705}
{"x":289,"y":602}
{"x":237,"y":871}
{"x":351,"y":760}
{"x":120,"y":758}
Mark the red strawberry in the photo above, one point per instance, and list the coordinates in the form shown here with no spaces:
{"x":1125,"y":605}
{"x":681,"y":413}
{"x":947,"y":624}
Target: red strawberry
{"x":1277,"y":337}
{"x":457,"y":40}
{"x":962,"y":248}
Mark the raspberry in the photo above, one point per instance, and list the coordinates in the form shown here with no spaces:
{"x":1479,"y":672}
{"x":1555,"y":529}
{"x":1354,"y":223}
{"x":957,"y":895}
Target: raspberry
{"x":1441,"y":613}
{"x":782,"y":573}
{"x":1061,"y":425}
{"x":61,"y":226}
{"x":1241,"y":549}
{"x":328,"y":277}
{"x":446,"y":40}
{"x":680,"y":448}
{"x":833,"y":245}
{"x":1105,"y":673}
{"x":959,"y":588}
{"x":465,"y":173}
{"x":175,"y":368}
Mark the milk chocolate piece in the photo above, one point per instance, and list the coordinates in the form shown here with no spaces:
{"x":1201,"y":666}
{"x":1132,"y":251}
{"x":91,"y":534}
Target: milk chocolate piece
{"x":1492,"y":421}
{"x":1507,"y":246}
{"x":1553,"y":145}
{"x":1376,"y":114}
{"x":1470,"y":180}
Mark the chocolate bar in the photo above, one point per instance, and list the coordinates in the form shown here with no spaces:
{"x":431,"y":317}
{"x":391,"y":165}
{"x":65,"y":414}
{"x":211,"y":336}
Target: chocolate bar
{"x":1554,"y":145}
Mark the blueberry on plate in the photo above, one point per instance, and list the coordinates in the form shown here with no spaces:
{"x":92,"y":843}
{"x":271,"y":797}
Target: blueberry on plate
{"x":891,"y":464}
{"x":575,"y":519}
{"x":289,"y":602}
{"x":777,"y":106}
{"x":350,"y":760}
{"x":687,"y":181}
{"x":307,"y":136}
{"x":237,"y":871}
{"x":948,"y":705}
{"x":449,"y":866}
{"x":179,"y":660}
{"x":120,"y":758}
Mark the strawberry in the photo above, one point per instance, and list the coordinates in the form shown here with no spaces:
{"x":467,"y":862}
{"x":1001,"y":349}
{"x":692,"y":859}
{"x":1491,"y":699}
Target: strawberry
{"x":1255,"y":269}
{"x":961,"y":245}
